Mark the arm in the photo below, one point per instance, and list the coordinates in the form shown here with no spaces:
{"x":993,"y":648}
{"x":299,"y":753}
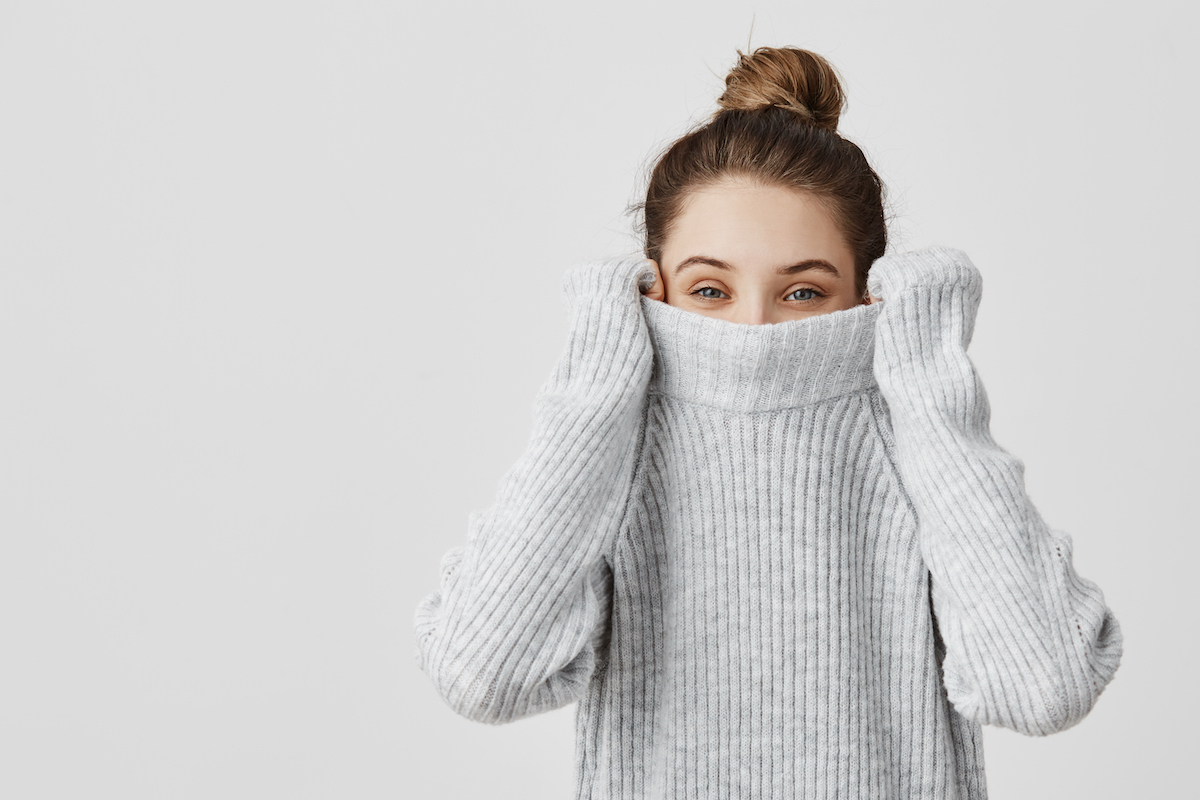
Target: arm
{"x":518,"y":623}
{"x":1030,"y":644}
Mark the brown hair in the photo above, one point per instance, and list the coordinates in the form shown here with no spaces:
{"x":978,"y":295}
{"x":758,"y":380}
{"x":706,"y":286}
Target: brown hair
{"x":776,"y":126}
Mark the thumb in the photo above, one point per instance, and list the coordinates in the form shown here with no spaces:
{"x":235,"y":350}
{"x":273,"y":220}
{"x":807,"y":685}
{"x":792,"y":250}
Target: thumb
{"x":657,"y":290}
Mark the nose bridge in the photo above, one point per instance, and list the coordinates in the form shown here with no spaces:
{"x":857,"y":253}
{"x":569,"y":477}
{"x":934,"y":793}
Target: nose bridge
{"x":756,"y":309}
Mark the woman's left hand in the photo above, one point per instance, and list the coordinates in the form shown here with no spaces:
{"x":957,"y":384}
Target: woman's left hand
{"x":657,"y":291}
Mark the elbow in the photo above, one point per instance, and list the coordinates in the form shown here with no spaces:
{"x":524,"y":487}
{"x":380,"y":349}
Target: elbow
{"x":1065,"y":703}
{"x":495,"y":696}
{"x":1046,"y":700}
{"x":1029,"y":707}
{"x":1092,"y":666}
{"x":484,"y":687}
{"x":469,"y":689}
{"x":1055,"y":707}
{"x":465,"y":678}
{"x":472,"y":694}
{"x":498,"y":675}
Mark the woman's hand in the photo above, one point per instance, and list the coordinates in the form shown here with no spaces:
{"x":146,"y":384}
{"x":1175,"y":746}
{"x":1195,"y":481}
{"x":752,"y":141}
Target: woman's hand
{"x":657,"y":290}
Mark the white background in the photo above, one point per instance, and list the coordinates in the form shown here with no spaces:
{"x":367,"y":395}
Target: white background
{"x":280,"y":282}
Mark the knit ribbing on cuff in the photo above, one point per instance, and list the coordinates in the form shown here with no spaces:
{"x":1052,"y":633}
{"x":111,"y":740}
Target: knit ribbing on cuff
{"x":608,"y":355}
{"x":931,"y":266}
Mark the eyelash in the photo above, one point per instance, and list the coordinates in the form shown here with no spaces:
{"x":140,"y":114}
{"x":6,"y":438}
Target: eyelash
{"x":818,"y":293}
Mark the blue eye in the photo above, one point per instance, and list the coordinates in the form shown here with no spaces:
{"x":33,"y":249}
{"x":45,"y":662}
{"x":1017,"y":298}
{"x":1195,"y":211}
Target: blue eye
{"x":815,"y":295}
{"x":717,"y":294}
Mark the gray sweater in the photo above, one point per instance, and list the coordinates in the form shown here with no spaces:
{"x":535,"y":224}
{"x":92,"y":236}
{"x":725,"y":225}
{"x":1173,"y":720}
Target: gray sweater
{"x":769,"y":561}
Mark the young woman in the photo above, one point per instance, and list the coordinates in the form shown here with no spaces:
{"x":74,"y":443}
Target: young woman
{"x":761,"y":531}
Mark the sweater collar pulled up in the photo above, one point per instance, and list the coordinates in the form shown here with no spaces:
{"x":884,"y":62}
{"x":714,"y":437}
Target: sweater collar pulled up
{"x":757,"y":368}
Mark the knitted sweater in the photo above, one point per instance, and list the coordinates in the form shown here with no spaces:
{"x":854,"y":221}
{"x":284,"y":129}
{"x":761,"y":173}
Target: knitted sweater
{"x":769,"y":561}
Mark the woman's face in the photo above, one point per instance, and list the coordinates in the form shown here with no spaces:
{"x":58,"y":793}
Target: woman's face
{"x":755,"y":255}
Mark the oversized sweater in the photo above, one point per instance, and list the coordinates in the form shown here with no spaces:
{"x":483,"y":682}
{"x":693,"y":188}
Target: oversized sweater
{"x":769,"y":561}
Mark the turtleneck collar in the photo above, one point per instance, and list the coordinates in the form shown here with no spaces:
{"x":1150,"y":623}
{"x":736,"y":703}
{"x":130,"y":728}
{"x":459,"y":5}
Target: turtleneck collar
{"x":755,"y":368}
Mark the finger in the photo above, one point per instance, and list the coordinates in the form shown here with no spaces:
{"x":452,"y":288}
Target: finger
{"x":656,"y":291}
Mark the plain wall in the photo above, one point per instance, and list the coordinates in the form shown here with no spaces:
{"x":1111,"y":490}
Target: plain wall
{"x":281,"y":280}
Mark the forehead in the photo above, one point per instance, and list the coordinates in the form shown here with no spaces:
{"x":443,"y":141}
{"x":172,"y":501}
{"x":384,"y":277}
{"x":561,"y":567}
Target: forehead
{"x":750,"y":222}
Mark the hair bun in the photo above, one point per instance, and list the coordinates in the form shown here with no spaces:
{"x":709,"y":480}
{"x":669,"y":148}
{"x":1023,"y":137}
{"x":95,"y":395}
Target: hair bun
{"x":785,"y":77}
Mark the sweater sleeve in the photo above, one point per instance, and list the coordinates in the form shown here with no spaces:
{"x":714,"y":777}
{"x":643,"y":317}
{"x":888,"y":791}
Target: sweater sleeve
{"x":518,"y":624}
{"x":1029,"y":644}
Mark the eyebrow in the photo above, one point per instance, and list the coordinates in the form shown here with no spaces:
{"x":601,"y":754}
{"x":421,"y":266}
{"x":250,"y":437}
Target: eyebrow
{"x":811,"y":263}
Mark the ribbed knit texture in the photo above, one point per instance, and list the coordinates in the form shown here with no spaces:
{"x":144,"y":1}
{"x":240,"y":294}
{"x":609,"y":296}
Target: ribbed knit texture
{"x":769,"y":561}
